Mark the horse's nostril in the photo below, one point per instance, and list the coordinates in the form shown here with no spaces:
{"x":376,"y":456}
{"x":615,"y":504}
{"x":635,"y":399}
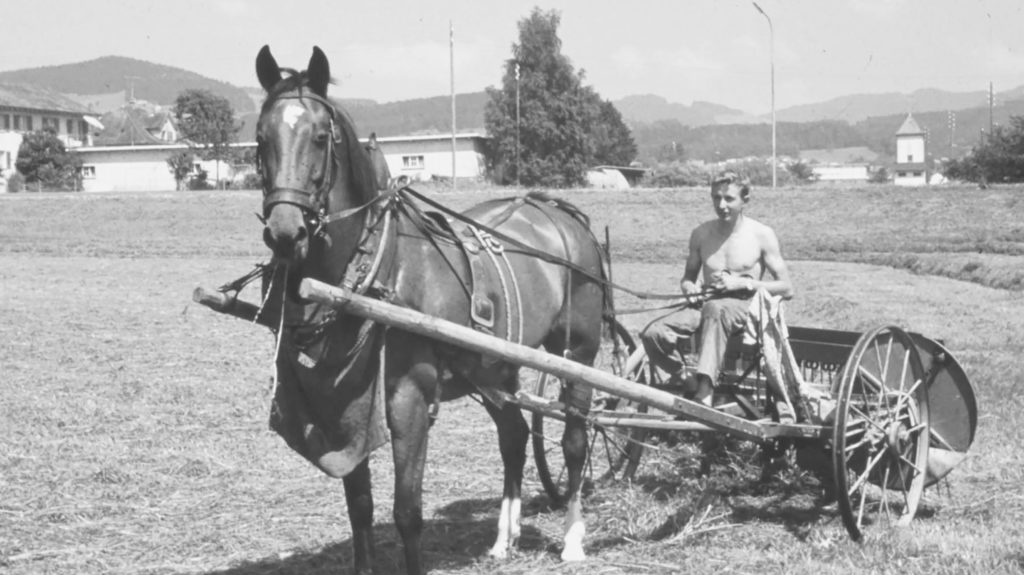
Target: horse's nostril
{"x":301,"y":234}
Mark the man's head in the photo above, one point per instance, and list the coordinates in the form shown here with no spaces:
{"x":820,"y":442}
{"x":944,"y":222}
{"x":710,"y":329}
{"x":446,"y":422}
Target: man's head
{"x":730,"y":195}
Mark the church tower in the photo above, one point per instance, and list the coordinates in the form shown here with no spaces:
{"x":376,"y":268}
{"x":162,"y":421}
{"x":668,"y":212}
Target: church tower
{"x":910,"y":155}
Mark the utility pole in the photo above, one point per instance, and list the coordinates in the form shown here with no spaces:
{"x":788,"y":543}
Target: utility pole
{"x":991,"y":104}
{"x":517,"y":123}
{"x":451,"y":72}
{"x":771,"y":51}
{"x":952,"y":133}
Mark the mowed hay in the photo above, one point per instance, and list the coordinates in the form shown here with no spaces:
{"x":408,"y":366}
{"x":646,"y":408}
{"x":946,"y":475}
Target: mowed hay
{"x":134,"y":432}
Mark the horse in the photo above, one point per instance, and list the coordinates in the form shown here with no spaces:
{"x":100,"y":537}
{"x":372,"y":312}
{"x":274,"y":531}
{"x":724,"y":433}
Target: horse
{"x":326,"y":218}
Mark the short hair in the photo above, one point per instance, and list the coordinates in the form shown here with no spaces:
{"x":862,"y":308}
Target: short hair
{"x":728,"y":178}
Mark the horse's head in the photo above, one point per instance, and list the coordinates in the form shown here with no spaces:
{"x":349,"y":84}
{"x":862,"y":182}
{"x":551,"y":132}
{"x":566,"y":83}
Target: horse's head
{"x":310,"y":158}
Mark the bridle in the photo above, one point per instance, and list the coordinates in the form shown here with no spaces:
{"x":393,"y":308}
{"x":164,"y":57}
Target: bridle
{"x":311,"y":202}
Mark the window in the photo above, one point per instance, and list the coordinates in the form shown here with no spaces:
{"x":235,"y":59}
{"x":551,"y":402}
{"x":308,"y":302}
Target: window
{"x":412,"y":162}
{"x":28,"y":123}
{"x":70,"y":125}
{"x":5,"y":122}
{"x":17,"y":122}
{"x":917,"y":174}
{"x":901,"y":174}
{"x":910,"y":157}
{"x":88,"y":172}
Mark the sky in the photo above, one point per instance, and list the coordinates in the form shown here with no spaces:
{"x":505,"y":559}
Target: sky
{"x":682,"y":50}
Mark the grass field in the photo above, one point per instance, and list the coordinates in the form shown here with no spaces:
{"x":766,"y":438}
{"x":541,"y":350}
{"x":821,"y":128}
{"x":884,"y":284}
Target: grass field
{"x":133,"y":432}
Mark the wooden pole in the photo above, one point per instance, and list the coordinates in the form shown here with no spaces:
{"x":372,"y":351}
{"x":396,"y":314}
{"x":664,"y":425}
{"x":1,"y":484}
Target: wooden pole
{"x":435,"y":328}
{"x":230,"y":305}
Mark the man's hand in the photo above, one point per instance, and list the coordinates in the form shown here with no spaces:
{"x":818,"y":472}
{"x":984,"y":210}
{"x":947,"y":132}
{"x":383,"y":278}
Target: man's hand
{"x":727,"y":282}
{"x":689,"y":288}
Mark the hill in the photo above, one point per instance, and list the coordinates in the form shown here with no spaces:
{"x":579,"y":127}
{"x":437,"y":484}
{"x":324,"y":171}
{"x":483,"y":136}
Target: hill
{"x":402,"y":118}
{"x":102,"y":83}
{"x":651,"y":108}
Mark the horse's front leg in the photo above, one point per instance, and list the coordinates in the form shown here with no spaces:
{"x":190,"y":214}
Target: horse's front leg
{"x":359,"y":498}
{"x":513,"y":434}
{"x":410,"y":394}
{"x":574,"y":447}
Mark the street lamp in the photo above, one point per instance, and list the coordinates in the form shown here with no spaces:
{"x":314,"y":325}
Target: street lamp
{"x":771,"y":37}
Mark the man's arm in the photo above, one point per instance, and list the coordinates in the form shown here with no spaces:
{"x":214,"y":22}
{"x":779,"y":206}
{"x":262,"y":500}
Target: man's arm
{"x":772,"y":256}
{"x":688,"y":284}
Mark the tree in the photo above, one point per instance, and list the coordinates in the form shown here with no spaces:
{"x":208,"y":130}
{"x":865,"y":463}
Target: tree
{"x":801,"y":172}
{"x":180,"y":164}
{"x":44,"y":161}
{"x":207,"y":121}
{"x":999,"y":159}
{"x":563,"y":126}
{"x":613,"y":142}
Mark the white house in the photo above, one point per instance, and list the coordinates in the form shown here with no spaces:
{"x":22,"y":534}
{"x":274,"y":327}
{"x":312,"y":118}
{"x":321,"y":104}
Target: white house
{"x":841,"y":173}
{"x":144,"y":167}
{"x":911,"y":169}
{"x":141,"y":168}
{"x":422,"y":157}
{"x":25,"y":109}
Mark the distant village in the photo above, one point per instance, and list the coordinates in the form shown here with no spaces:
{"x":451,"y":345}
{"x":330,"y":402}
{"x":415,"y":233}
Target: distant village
{"x":127,"y":149}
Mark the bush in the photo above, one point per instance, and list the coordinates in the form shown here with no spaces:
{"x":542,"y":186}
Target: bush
{"x":16,"y":183}
{"x":199,"y":182}
{"x":676,"y":175}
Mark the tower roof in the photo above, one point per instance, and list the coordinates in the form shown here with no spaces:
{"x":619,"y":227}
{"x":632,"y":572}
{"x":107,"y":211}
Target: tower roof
{"x":909,"y":127}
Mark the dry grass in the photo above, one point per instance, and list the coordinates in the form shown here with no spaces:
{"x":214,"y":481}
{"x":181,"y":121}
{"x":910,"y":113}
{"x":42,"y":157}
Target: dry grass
{"x":134,"y":435}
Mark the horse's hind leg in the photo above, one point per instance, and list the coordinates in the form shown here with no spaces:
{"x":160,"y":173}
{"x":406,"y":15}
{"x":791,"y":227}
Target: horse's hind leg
{"x":513,"y":434}
{"x":359,"y":498}
{"x":574,"y":447}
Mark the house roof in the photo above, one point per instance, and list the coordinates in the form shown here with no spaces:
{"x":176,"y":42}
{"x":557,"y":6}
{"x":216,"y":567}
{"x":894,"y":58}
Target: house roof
{"x":910,"y":127}
{"x":29,"y":97}
{"x":131,"y":131}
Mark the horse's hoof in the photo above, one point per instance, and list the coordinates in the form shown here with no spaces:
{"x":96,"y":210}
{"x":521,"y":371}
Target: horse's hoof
{"x":572,"y":555}
{"x":497,"y":552}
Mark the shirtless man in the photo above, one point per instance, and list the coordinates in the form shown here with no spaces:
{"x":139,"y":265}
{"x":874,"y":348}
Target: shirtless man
{"x":735,"y":256}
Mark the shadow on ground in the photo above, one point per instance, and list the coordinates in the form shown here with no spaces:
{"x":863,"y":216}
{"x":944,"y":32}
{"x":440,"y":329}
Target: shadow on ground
{"x":459,"y":539}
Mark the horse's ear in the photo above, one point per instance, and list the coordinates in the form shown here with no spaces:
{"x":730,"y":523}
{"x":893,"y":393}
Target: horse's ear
{"x":319,"y":71}
{"x":266,"y":68}
{"x":373,"y":138}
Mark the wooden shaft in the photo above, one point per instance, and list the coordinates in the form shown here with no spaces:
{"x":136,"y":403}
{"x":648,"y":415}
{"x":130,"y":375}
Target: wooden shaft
{"x":470,"y":339}
{"x":230,"y":305}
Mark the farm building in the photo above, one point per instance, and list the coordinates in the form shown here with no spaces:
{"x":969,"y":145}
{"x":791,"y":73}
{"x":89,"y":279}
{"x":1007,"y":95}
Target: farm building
{"x":143,"y":167}
{"x":422,"y":157}
{"x":840,"y":164}
{"x":911,"y":169}
{"x":25,"y":109}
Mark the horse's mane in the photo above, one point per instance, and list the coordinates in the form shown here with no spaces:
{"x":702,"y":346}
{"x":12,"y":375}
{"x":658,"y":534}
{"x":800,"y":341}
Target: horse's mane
{"x":358,"y":159}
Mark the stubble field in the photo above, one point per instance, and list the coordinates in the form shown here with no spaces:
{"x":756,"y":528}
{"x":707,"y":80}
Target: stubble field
{"x":133,"y":432}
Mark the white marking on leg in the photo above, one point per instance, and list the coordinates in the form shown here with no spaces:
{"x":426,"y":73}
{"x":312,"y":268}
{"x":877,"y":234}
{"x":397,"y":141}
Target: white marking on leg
{"x":575,"y":529}
{"x":508,"y":527}
{"x":291,"y":114}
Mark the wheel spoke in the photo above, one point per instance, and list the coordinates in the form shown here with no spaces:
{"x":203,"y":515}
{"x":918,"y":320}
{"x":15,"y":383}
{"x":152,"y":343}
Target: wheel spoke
{"x":866,"y":418}
{"x":905,"y":397}
{"x":942,"y":440}
{"x":867,"y":470}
